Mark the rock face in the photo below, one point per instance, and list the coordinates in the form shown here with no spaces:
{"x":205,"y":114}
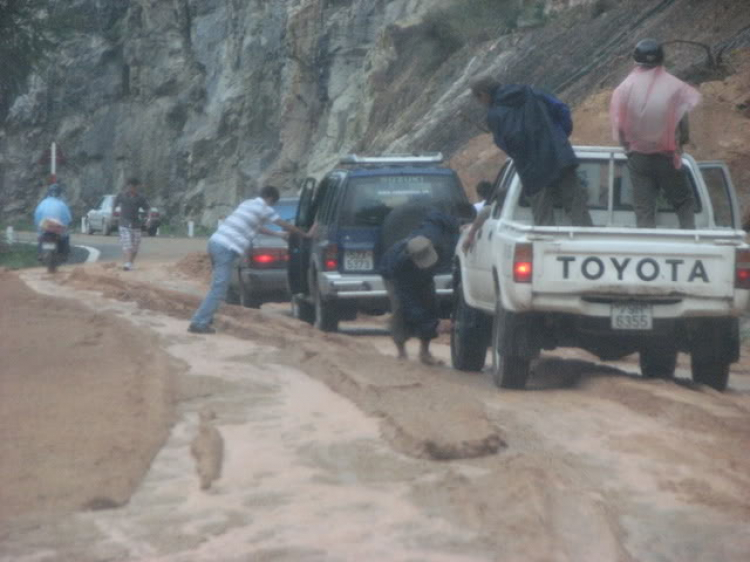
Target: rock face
{"x":206,"y":100}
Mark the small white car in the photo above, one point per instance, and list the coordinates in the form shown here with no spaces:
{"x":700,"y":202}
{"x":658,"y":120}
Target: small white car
{"x":102,"y":217}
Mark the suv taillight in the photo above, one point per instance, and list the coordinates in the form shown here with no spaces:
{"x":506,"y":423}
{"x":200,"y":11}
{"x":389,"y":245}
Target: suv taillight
{"x":331,"y":257}
{"x":268,"y":257}
{"x":742,"y":269}
{"x":523,"y":263}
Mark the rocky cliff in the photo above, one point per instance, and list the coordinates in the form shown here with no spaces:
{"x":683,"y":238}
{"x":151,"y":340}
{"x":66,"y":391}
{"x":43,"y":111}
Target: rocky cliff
{"x":206,"y":100}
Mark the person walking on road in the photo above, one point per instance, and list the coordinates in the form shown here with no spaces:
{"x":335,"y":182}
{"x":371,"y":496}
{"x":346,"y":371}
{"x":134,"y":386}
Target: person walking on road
{"x":229,"y":242}
{"x":130,"y":201}
{"x":532,"y":128}
{"x":649,"y":112}
{"x":408,"y":268}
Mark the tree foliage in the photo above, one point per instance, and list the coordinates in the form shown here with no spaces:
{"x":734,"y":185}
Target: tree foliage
{"x":26,"y":36}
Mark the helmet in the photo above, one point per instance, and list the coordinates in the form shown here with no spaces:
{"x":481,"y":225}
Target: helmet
{"x":649,"y":52}
{"x":54,"y":190}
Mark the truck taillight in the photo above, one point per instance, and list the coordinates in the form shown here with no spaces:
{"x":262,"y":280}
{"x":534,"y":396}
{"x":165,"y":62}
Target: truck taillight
{"x":523,"y":263}
{"x":331,"y":257}
{"x":742,"y":269}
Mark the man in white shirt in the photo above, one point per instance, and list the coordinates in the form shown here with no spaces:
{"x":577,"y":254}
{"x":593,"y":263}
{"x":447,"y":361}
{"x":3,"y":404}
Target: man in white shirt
{"x":230,"y":241}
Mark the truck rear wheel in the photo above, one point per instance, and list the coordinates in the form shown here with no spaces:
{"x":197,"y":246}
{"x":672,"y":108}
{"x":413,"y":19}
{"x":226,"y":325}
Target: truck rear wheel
{"x":714,"y":348}
{"x":658,"y":363}
{"x":470,"y":335}
{"x":711,"y":372}
{"x":508,"y":371}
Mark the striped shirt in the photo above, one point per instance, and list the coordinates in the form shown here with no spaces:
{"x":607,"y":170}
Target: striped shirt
{"x":238,"y":229}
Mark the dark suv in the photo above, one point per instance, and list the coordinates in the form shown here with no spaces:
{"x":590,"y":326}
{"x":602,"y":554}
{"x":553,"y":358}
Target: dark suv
{"x":333,"y":274}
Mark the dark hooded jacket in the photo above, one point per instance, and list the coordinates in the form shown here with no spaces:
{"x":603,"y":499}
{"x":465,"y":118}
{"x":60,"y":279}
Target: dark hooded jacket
{"x":415,"y":287}
{"x":532,"y":128}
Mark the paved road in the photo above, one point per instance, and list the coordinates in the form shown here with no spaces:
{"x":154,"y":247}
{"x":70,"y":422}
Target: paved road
{"x":152,"y":248}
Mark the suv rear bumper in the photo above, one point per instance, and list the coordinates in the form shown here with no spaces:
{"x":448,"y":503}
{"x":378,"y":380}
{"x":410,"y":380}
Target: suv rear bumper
{"x":335,"y":285}
{"x":265,"y":284}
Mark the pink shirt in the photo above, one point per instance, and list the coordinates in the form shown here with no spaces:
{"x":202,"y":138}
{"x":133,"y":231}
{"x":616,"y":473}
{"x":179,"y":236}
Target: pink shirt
{"x":647,"y":108}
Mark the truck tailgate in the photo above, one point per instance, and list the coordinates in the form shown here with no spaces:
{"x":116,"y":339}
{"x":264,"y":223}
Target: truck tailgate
{"x":635,"y":267}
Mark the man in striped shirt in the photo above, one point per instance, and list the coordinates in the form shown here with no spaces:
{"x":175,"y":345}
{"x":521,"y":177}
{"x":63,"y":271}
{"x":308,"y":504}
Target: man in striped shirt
{"x":230,"y":241}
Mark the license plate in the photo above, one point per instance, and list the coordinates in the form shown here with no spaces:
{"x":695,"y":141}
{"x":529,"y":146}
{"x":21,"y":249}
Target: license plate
{"x":51,"y":246}
{"x":632,"y":316}
{"x":358,"y":260}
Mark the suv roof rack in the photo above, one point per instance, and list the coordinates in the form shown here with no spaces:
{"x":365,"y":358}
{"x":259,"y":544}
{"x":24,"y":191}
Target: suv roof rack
{"x":391,"y":159}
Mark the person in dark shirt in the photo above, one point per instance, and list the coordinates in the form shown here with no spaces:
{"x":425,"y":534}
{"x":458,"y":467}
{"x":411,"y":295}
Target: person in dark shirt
{"x":408,"y":268}
{"x":130,"y":201}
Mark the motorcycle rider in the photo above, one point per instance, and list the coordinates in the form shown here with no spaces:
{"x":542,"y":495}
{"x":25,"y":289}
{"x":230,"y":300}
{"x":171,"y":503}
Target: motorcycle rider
{"x":53,"y":207}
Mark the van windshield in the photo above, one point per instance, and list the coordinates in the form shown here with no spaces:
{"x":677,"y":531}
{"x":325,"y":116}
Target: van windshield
{"x":370,"y":198}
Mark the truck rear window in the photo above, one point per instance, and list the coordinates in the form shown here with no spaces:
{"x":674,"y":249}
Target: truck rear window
{"x":594,"y":176}
{"x":369,"y":199}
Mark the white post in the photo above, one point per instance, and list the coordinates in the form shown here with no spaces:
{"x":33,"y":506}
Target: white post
{"x":191,"y":229}
{"x":83,"y":225}
{"x":10,"y":235}
{"x":53,"y":159}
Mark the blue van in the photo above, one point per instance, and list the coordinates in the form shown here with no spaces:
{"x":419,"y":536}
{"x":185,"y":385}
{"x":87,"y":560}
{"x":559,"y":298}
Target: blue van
{"x":333,"y":274}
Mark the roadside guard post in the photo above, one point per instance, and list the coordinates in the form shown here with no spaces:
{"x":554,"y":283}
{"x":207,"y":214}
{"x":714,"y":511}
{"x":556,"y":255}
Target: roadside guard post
{"x":10,"y":236}
{"x":191,"y":229}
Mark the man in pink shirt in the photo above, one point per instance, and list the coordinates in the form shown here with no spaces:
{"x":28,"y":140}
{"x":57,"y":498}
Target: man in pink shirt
{"x":649,"y":118}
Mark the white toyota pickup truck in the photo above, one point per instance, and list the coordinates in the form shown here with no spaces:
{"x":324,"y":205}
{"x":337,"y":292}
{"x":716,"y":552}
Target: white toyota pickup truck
{"x":611,"y":289}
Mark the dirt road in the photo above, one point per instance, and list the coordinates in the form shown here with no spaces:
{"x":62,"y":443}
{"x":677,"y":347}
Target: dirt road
{"x":331,"y":449}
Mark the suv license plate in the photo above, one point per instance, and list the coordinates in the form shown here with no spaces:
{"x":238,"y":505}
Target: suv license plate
{"x":632,"y":316}
{"x":358,"y":260}
{"x":49,"y":246}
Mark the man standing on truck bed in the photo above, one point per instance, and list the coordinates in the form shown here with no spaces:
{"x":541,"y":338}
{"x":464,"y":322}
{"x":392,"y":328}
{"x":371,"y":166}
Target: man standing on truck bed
{"x":533,"y":128}
{"x":649,"y":119}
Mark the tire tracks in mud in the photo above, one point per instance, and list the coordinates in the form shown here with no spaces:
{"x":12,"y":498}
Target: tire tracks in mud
{"x":398,"y":393}
{"x":599,"y":466}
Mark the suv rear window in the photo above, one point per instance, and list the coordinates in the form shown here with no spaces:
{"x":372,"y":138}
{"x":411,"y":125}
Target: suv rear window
{"x":369,"y":199}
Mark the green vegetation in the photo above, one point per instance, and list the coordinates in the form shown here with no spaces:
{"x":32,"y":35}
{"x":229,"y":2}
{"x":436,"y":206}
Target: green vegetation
{"x":19,"y":225}
{"x":18,"y":256}
{"x":480,"y":20}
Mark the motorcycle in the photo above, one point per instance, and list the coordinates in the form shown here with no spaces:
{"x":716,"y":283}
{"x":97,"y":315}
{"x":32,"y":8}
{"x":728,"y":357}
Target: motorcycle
{"x":52,"y":244}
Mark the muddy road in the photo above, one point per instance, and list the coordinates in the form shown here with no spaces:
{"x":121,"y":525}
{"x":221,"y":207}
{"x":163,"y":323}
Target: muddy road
{"x":316,"y":446}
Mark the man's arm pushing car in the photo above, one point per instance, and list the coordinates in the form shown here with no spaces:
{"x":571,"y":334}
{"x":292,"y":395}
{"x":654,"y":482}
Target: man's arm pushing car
{"x":289,"y":227}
